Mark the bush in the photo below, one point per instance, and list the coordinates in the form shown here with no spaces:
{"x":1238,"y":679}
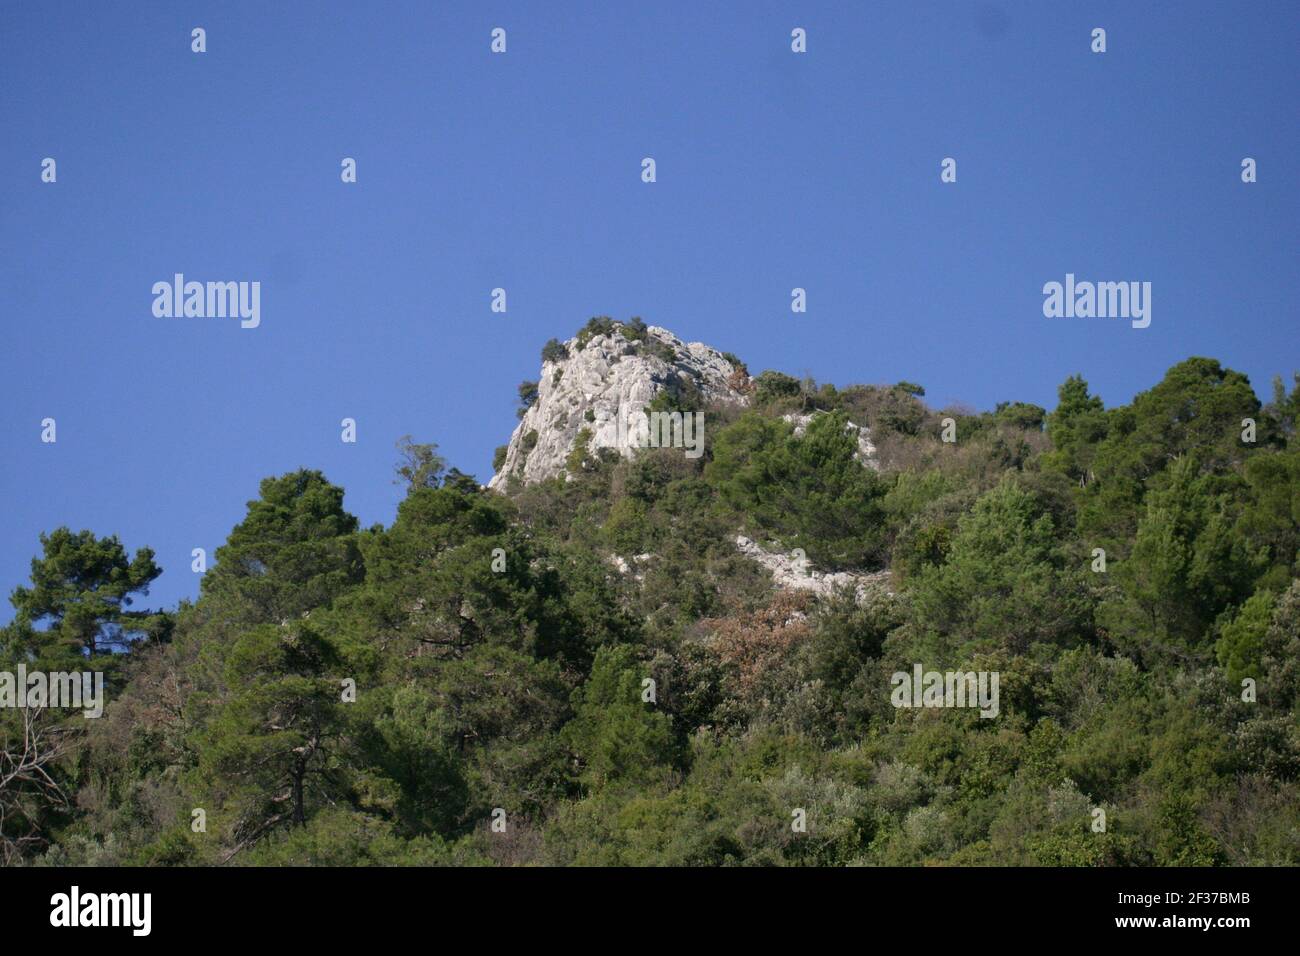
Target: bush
{"x":598,"y":325}
{"x":527,"y":396}
{"x":811,"y":492}
{"x":554,"y":351}
{"x":771,"y":386}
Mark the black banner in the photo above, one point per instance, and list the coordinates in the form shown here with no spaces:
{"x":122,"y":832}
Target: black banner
{"x":338,"y":905}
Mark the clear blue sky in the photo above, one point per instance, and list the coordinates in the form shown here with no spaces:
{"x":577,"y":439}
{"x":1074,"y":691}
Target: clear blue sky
{"x":775,"y":170}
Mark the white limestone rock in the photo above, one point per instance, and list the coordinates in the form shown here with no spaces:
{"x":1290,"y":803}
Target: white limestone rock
{"x":613,"y":378}
{"x":792,"y":572}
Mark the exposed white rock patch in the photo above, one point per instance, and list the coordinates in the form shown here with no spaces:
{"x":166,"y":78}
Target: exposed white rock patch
{"x":625,"y":567}
{"x":866,"y":452}
{"x":607,"y":381}
{"x":793,"y":572}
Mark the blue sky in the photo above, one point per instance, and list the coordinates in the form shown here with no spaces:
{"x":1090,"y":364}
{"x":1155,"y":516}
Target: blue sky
{"x":522,"y":170}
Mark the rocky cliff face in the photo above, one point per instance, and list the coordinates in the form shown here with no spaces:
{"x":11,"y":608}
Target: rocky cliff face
{"x":600,"y":389}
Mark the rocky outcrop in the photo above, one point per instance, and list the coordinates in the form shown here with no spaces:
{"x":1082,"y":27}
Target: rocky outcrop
{"x":599,"y":384}
{"x":792,"y":572}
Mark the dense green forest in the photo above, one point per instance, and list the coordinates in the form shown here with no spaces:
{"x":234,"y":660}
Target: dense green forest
{"x":478,"y":683}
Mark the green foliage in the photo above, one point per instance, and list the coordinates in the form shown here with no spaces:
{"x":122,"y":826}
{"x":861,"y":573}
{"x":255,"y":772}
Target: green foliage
{"x":735,"y":362}
{"x":1240,"y":639}
{"x":577,"y":458}
{"x":1077,"y":425}
{"x":527,"y":397}
{"x":1284,"y":410}
{"x":661,"y":350}
{"x":554,"y":351}
{"x":1270,"y":518}
{"x":634,"y":330}
{"x":81,"y":589}
{"x":598,"y":325}
{"x":419,"y":466}
{"x":1186,"y":564}
{"x":1196,"y":410}
{"x":338,"y":837}
{"x":923,"y":508}
{"x":294,"y":551}
{"x":274,"y":750}
{"x":615,"y":736}
{"x":1021,"y":415}
{"x":1006,"y":582}
{"x":772,"y":387}
{"x":680,"y":394}
{"x":501,"y":644}
{"x":809,"y":491}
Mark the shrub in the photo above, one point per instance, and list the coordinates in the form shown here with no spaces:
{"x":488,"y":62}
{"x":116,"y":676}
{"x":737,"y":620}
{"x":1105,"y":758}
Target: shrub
{"x":554,"y":351}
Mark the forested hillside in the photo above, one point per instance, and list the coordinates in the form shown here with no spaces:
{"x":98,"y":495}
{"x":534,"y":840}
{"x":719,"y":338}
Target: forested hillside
{"x":586,"y":670}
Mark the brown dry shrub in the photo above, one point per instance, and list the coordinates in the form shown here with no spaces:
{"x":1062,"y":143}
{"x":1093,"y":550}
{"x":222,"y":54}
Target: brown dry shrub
{"x":752,"y":645}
